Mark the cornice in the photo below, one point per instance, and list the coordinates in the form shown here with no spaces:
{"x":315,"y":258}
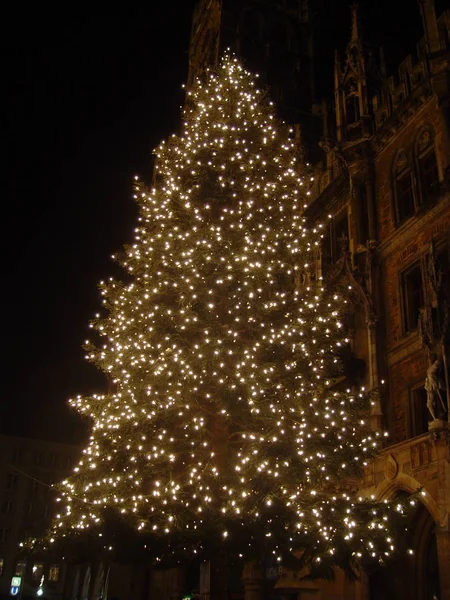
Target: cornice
{"x":401,"y":236}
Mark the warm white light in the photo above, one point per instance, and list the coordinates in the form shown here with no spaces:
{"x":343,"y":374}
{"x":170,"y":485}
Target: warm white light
{"x":220,"y":344}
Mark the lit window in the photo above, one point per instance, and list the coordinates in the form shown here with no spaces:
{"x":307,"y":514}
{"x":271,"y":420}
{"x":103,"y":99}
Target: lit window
{"x":38,"y":571}
{"x":53,"y":573}
{"x":2,"y":566}
{"x":21,"y":568}
{"x":426,"y":160}
{"x":412,"y":291}
{"x":404,"y":193}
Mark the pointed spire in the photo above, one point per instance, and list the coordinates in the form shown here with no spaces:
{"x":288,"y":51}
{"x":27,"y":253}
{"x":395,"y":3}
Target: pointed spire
{"x":356,"y":34}
{"x":430,"y":26}
{"x":337,"y":70}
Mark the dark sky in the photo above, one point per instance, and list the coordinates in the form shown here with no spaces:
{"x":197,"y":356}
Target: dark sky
{"x":89,"y":95}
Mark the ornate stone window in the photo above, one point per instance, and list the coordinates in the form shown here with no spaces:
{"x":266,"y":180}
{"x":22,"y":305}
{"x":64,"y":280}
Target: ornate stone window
{"x":427,"y":165}
{"x":352,"y":111}
{"x":335,"y":240}
{"x":404,"y":199}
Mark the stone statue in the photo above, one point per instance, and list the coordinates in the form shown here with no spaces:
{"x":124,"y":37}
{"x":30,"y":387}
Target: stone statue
{"x":433,"y":386}
{"x":434,"y":328}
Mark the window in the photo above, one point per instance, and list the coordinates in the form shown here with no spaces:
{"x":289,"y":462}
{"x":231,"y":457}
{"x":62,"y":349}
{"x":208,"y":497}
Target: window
{"x":340,"y":235}
{"x":52,"y":459}
{"x":7,"y":506}
{"x":53,"y":573}
{"x":2,"y":566}
{"x":427,"y":165}
{"x":418,"y":411}
{"x":404,"y":194}
{"x":38,"y":571}
{"x":11,"y":482}
{"x":21,"y":568}
{"x":443,"y":264}
{"x":412,"y":291}
{"x":352,"y":111}
{"x":17,"y":456}
{"x":37,"y":458}
{"x":4,"y":534}
{"x":335,"y":240}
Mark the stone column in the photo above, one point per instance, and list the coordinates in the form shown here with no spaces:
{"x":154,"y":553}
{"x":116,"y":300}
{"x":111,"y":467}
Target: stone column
{"x":443,"y":553}
{"x":177,"y":577}
{"x":371,"y":211}
{"x":253,"y":578}
{"x":376,"y":412}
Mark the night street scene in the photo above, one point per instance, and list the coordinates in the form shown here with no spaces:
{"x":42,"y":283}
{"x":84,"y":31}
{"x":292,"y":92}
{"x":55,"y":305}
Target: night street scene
{"x":226,"y":301}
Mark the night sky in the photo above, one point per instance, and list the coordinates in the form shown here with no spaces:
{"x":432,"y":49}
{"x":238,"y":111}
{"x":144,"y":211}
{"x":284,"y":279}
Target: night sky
{"x":89,"y":96}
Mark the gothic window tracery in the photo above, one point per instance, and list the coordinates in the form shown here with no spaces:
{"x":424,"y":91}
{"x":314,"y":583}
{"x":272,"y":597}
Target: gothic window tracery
{"x":427,"y":164}
{"x":352,"y":110}
{"x":403,"y":189}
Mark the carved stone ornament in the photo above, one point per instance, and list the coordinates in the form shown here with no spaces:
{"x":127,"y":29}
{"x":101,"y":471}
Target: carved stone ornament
{"x":391,"y":467}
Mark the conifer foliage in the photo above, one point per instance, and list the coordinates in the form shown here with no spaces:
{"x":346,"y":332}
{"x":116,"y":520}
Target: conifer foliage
{"x":223,"y":426}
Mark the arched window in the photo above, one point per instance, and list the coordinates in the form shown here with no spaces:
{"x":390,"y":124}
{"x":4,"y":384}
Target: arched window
{"x":403,"y":189}
{"x":427,"y":165}
{"x":352,"y":111}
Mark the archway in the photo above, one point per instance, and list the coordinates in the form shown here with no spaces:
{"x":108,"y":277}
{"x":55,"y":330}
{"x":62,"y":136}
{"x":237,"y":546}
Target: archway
{"x":410,"y":576}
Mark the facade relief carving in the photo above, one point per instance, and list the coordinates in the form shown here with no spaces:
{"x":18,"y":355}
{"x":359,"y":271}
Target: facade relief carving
{"x":434,"y":320}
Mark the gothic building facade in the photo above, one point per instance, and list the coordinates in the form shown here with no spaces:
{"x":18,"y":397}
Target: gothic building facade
{"x":380,"y":148}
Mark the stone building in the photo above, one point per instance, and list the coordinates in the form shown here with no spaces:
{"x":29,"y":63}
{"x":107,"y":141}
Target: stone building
{"x":380,"y":147}
{"x":28,"y":468}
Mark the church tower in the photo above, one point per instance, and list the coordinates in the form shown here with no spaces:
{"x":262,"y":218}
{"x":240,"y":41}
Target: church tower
{"x":272,"y":37}
{"x":353,"y":119}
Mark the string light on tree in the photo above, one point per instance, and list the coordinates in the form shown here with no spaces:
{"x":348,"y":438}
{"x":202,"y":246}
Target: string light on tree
{"x":223,"y":417}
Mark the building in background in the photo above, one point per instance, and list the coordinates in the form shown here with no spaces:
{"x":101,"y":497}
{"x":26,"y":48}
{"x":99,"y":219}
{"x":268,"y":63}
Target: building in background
{"x":28,"y":468}
{"x":385,"y":179}
{"x":379,"y":146}
{"x":380,"y":149}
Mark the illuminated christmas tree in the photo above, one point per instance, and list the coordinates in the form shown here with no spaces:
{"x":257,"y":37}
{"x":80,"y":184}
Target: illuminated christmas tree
{"x":223,"y":426}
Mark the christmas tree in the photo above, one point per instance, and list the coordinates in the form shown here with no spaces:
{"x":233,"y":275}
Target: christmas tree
{"x":224,"y":427}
